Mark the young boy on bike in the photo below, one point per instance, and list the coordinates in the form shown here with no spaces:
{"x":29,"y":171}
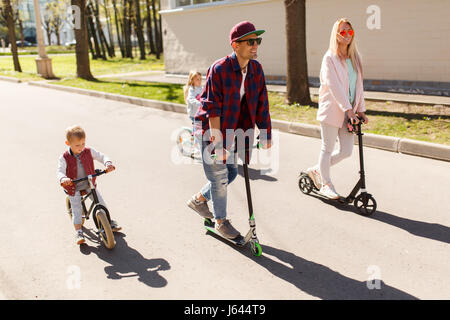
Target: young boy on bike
{"x":75,"y":163}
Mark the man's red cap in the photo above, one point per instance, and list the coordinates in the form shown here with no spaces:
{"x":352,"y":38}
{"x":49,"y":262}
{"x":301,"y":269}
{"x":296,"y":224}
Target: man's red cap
{"x":243,"y":29}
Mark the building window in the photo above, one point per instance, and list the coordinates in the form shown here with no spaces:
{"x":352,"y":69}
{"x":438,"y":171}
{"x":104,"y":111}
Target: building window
{"x":183,"y":3}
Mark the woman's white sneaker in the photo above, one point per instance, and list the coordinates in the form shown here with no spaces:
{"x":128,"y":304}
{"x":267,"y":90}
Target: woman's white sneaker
{"x":315,"y":177}
{"x":329,"y":192}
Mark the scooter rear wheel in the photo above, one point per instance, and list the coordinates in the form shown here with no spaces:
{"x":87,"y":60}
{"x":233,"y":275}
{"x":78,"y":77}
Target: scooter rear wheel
{"x":365,"y":204}
{"x":305,"y":184}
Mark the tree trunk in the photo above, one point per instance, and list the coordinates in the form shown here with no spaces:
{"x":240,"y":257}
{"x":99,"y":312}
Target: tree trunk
{"x":91,"y":47}
{"x":297,"y":68}
{"x":139,"y":29}
{"x":57,"y":33}
{"x":11,"y":34}
{"x":149,"y":28}
{"x":155,"y":24}
{"x":161,"y":48}
{"x":127,"y":28}
{"x":81,"y":48}
{"x":118,"y":29}
{"x":48,"y":31}
{"x":22,"y":37}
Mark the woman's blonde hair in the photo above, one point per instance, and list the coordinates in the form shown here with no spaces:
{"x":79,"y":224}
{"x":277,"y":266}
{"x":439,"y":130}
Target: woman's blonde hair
{"x":190,"y":82}
{"x":352,"y":52}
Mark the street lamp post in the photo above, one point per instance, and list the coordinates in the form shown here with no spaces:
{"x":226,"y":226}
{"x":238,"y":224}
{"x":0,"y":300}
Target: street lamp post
{"x":43,"y":63}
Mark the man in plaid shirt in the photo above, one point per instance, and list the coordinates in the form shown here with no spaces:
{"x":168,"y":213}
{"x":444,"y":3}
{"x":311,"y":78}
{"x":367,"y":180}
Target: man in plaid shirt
{"x":234,"y":97}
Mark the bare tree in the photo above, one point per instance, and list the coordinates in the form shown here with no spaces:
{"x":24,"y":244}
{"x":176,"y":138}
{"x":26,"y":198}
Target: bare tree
{"x":297,"y":67}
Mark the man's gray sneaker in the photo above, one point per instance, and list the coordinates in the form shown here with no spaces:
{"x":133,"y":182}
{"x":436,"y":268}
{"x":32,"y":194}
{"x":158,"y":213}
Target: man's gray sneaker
{"x":227,"y":230}
{"x":200,"y":207}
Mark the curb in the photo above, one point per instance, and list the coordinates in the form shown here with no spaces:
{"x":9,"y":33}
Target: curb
{"x":10,"y":79}
{"x":393,"y":144}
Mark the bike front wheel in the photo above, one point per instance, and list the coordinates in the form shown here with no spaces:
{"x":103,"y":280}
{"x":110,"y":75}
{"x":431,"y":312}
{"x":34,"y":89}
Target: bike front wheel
{"x":104,"y":228}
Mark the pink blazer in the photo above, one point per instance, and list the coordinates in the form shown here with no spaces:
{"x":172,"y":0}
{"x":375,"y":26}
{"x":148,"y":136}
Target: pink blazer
{"x":334,"y":91}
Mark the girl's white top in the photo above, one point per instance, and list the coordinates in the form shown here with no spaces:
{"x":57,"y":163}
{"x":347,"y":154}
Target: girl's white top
{"x":192,"y":103}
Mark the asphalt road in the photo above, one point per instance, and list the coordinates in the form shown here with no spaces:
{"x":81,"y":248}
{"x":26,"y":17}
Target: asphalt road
{"x":312,"y":249}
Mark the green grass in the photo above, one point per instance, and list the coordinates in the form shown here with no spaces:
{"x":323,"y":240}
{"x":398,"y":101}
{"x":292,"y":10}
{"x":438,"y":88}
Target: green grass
{"x":34,"y":50}
{"x":64,"y":66}
{"x":426,"y":123}
{"x":140,"y":89}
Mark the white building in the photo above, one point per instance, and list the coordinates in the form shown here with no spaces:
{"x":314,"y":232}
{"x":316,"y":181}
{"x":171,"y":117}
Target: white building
{"x":404,"y":43}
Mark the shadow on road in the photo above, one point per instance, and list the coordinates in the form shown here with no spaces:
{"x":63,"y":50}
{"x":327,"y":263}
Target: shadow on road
{"x":316,"y":279}
{"x":127,"y":262}
{"x":255,"y":174}
{"x":431,"y":231}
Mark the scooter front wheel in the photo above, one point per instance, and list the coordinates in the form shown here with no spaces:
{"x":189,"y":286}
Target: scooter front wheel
{"x":256,"y":249}
{"x":365,"y":204}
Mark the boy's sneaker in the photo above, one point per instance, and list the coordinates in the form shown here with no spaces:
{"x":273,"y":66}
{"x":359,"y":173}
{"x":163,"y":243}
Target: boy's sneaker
{"x":315,"y":177}
{"x":200,"y":207}
{"x":329,"y":192}
{"x":227,"y":230}
{"x":80,"y":238}
{"x":115,"y":226}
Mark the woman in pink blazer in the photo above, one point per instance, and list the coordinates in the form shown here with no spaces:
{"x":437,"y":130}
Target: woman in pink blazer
{"x":341,"y":97}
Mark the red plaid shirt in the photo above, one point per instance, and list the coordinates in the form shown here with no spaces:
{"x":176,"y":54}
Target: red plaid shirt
{"x":221,"y":98}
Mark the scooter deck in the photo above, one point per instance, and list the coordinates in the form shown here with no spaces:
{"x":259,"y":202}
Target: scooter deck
{"x":341,"y":199}
{"x":210,"y":226}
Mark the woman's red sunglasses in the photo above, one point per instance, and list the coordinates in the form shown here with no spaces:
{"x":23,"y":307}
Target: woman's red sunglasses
{"x":344,"y":32}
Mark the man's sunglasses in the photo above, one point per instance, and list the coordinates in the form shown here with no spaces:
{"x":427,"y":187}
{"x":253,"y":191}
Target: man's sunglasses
{"x":344,"y":32}
{"x":251,"y":42}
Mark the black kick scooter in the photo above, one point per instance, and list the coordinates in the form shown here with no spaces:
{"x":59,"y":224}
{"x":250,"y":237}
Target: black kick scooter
{"x":364,"y":202}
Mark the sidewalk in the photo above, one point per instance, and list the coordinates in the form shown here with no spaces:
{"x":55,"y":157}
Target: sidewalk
{"x":161,"y":76}
{"x":388,"y":143}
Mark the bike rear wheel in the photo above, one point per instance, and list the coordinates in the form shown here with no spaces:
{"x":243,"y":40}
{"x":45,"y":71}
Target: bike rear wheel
{"x":69,"y":211}
{"x":104,"y":229}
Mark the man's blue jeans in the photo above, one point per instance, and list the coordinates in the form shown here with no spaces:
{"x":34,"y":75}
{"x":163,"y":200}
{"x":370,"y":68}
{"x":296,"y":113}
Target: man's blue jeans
{"x":219,"y":176}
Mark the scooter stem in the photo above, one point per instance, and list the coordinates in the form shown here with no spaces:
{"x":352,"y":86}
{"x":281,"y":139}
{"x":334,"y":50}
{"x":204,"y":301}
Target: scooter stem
{"x":361,"y":158}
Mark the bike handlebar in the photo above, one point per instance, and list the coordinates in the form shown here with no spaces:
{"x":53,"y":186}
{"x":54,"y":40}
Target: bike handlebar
{"x":97,"y":173}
